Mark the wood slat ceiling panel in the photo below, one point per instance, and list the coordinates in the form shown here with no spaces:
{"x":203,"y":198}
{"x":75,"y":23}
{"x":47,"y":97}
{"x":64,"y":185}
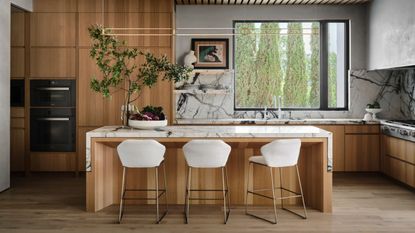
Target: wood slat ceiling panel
{"x":269,"y":2}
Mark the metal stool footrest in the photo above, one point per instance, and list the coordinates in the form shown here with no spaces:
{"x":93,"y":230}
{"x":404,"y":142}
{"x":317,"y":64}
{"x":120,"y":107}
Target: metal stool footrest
{"x":274,"y":198}
{"x":225,"y":198}
{"x":158,"y":194}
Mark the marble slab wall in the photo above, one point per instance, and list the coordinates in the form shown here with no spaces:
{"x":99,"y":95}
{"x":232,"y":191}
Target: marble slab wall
{"x":394,"y":90}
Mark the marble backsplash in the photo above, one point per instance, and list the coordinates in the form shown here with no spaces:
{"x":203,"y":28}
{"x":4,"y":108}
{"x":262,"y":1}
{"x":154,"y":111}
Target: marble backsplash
{"x":394,"y":90}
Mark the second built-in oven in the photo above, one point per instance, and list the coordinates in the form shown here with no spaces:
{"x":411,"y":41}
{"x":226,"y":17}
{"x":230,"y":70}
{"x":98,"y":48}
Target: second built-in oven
{"x":52,"y":129}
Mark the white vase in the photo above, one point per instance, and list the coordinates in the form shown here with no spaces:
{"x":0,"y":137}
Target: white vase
{"x":189,"y":59}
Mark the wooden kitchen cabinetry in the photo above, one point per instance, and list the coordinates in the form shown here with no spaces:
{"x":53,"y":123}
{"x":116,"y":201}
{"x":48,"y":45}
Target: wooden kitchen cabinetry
{"x":362,"y":148}
{"x":398,"y":159}
{"x":338,"y":145}
{"x":17,"y":139}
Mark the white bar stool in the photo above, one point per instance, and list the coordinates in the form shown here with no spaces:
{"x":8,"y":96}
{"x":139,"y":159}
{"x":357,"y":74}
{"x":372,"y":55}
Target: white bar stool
{"x":277,"y":154}
{"x":142,"y":154}
{"x":207,"y":154}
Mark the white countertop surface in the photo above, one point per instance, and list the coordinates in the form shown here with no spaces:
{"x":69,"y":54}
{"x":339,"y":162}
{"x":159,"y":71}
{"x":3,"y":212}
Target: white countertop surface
{"x":213,"y":131}
{"x":273,"y":121}
{"x":232,"y":131}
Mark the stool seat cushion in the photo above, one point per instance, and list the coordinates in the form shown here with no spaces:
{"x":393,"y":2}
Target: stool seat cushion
{"x":202,"y":153}
{"x":145,"y":153}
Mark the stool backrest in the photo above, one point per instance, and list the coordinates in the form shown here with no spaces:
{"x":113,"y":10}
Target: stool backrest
{"x":206,"y":153}
{"x":141,"y":153}
{"x":281,"y":153}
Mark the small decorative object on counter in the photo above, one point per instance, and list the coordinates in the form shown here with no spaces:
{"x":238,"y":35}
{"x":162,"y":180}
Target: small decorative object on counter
{"x":367,"y":117}
{"x":374,"y":109}
{"x":149,"y":117}
{"x":189,"y":59}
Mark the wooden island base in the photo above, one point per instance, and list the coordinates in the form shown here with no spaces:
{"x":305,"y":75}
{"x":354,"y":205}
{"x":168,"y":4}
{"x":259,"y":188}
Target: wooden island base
{"x":104,"y":179}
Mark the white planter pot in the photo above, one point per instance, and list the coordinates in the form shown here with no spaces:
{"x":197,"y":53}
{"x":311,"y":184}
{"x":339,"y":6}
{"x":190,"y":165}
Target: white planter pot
{"x":147,"y":124}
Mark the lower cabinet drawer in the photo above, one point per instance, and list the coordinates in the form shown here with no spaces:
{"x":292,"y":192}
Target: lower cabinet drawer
{"x":394,"y":168}
{"x":410,"y":175}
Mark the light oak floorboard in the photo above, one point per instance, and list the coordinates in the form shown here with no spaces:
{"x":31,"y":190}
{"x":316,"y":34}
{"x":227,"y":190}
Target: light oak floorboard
{"x":55,"y":203}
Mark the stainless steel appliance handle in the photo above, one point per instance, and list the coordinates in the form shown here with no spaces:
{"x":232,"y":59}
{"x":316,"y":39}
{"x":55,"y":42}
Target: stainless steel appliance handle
{"x":53,"y":119}
{"x":53,"y":88}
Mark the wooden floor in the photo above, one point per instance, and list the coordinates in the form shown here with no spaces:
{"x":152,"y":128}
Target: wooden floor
{"x":55,"y":203}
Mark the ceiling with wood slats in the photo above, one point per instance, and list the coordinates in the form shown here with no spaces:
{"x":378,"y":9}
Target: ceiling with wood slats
{"x":269,"y":2}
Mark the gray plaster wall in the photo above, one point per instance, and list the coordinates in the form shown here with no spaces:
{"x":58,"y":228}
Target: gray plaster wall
{"x":4,"y":95}
{"x":5,"y":13}
{"x":391,"y":37}
{"x":222,"y":16}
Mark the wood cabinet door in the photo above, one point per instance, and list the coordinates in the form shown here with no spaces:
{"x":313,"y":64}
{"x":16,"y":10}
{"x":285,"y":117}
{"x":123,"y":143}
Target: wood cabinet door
{"x":17,"y":149}
{"x":338,"y":145}
{"x":394,"y":168}
{"x":362,"y":152}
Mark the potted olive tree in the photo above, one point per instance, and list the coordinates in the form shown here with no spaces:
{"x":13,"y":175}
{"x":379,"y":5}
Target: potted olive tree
{"x":120,"y":70}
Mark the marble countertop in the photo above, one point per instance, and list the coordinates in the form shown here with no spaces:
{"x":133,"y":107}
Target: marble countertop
{"x":230,"y":121}
{"x":248,"y":131}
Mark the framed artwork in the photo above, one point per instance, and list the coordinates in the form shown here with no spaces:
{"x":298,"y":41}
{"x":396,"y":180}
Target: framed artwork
{"x":211,"y":53}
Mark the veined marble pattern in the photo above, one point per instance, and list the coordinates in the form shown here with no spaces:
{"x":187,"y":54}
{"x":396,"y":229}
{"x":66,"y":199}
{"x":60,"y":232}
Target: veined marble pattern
{"x":407,"y":91}
{"x":214,"y":106}
{"x":212,"y":132}
{"x":308,"y":121}
{"x":393,"y":90}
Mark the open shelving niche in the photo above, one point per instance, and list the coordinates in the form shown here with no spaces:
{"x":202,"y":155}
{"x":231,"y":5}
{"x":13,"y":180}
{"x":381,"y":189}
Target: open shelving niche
{"x":208,"y":91}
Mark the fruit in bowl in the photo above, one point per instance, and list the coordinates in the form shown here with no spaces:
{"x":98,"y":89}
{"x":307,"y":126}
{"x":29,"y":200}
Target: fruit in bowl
{"x":149,"y":117}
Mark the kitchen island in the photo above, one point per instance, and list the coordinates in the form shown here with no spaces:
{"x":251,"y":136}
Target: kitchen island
{"x":103,"y":168}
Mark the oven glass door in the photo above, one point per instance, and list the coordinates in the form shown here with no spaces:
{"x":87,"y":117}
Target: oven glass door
{"x":52,"y":134}
{"x":51,"y":97}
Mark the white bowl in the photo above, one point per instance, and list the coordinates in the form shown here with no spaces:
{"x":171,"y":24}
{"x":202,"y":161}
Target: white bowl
{"x":147,"y":124}
{"x":374,"y":111}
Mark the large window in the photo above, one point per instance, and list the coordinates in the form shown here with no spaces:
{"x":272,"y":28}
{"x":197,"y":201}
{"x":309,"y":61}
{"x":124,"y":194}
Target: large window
{"x":304,"y":62}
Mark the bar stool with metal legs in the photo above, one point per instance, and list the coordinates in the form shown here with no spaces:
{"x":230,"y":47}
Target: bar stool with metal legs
{"x":277,"y":154}
{"x":207,"y":154}
{"x":143,"y":154}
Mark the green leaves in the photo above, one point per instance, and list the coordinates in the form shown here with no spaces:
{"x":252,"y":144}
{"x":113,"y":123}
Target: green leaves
{"x":118,"y":63}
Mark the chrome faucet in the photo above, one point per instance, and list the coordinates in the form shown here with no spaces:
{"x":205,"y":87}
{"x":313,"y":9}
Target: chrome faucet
{"x":280,"y":113}
{"x":265,"y":115}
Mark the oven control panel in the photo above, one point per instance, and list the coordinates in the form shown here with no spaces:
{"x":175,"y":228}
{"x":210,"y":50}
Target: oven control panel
{"x":397,"y":131}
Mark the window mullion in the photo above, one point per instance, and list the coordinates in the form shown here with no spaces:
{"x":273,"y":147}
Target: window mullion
{"x":324,"y":65}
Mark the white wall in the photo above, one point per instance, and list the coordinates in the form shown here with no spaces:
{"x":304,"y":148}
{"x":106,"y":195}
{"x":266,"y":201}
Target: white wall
{"x":23,"y":4}
{"x":4,"y":95}
{"x":5,"y":87}
{"x":391,"y":37}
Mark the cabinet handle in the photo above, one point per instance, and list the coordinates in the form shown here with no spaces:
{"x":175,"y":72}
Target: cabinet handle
{"x":53,"y":88}
{"x":53,"y":119}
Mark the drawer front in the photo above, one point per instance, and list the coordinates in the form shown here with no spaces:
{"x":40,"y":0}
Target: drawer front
{"x":394,"y":168}
{"x":362,"y":129}
{"x":362,"y":152}
{"x":410,"y":152}
{"x":17,"y":123}
{"x":17,"y":112}
{"x":410,"y":175}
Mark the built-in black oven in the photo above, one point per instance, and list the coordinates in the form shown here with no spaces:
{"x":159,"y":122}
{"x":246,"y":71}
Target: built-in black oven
{"x":52,"y":129}
{"x":52,"y":93}
{"x":17,"y":93}
{"x":52,"y":115}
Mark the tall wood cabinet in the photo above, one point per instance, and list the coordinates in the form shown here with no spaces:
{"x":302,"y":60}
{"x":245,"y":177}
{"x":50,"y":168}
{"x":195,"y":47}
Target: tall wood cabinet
{"x":18,"y":116}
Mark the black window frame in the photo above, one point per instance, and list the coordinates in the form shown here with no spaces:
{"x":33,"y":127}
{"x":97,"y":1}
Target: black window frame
{"x":324,"y":50}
